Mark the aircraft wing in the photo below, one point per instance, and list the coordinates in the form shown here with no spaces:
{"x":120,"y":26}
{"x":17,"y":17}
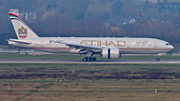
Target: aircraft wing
{"x":88,"y":47}
{"x":14,"y":40}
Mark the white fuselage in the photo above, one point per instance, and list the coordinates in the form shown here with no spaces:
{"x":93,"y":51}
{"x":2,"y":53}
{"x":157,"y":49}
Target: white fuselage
{"x":126,"y":45}
{"x":109,"y":48}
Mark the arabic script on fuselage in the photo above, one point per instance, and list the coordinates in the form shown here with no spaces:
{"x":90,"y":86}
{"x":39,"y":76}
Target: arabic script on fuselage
{"x":141,"y":43}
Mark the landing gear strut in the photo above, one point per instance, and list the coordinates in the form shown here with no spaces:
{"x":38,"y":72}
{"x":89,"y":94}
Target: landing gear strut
{"x":89,"y":59}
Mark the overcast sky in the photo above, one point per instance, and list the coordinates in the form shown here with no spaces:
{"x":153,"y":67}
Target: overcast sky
{"x":154,"y":1}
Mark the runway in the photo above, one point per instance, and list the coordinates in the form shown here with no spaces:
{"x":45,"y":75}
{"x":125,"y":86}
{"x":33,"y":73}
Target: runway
{"x":95,"y":62}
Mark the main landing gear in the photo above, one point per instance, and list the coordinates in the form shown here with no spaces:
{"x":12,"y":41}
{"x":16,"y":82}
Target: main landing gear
{"x":89,"y":59}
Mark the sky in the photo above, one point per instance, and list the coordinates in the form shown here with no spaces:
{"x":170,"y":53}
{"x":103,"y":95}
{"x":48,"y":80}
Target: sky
{"x":154,"y":1}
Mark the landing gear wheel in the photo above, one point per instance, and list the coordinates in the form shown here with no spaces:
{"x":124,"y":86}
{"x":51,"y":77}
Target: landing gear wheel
{"x":94,"y":59}
{"x":85,"y":59}
{"x":89,"y":59}
{"x":157,"y":59}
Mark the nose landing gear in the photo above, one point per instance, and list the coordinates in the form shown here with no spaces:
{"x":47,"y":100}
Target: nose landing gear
{"x":158,"y":59}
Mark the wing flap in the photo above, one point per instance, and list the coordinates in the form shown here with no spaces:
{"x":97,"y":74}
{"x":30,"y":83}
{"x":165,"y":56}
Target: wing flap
{"x":88,"y":47}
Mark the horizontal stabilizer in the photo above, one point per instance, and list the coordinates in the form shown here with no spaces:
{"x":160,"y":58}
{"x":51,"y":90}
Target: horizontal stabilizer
{"x":21,"y":42}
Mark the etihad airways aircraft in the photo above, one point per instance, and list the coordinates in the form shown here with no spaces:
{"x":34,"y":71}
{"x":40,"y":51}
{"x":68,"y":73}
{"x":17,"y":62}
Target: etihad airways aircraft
{"x":109,"y":48}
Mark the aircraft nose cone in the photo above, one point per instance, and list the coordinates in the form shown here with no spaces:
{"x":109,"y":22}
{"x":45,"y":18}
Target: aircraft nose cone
{"x":172,"y":47}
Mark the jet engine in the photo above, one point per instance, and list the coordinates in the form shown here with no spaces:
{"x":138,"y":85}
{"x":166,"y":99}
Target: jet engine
{"x":111,"y":53}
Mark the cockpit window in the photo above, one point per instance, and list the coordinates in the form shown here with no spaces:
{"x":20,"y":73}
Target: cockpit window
{"x":167,"y":44}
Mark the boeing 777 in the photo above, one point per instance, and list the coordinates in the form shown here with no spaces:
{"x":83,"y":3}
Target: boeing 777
{"x":109,"y":48}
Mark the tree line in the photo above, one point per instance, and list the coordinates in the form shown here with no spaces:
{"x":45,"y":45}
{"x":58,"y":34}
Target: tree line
{"x":93,"y":18}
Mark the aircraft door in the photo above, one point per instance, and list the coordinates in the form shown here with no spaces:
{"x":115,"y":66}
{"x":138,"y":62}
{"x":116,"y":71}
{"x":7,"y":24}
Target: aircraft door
{"x":37,"y":43}
{"x":42,"y":43}
{"x":128,"y":44}
{"x":155,"y":45}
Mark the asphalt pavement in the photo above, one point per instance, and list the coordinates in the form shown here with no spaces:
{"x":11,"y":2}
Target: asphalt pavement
{"x":95,"y":62}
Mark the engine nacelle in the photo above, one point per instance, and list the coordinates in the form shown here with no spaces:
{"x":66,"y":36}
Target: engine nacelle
{"x":111,"y":53}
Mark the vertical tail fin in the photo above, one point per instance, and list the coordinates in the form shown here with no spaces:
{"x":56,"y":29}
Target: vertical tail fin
{"x":23,"y":31}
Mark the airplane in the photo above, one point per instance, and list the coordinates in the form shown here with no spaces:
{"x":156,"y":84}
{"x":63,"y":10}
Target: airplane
{"x":107,"y":47}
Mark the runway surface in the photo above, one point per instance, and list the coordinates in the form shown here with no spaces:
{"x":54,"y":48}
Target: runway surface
{"x":95,"y":62}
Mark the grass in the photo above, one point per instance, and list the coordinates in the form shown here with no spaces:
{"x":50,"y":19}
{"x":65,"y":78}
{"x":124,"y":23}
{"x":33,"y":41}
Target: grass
{"x":89,"y":82}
